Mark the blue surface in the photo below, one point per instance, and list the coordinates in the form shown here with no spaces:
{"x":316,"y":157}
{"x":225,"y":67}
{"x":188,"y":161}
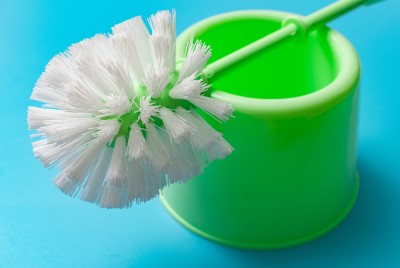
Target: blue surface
{"x":41,"y":227}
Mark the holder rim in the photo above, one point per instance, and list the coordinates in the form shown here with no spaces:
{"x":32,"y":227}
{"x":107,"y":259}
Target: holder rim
{"x":309,"y":104}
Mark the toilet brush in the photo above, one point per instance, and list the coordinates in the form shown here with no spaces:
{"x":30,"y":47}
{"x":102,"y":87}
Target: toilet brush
{"x":120,"y":117}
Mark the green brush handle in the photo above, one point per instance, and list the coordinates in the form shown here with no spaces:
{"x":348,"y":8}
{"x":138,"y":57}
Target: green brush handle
{"x":290,"y":27}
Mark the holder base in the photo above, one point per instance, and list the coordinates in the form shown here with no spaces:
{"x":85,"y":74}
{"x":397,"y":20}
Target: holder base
{"x":267,"y":246}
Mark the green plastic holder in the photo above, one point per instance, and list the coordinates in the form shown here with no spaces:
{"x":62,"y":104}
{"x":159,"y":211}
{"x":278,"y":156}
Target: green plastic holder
{"x":292,"y":176}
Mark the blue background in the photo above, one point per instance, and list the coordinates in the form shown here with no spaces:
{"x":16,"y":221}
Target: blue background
{"x":41,"y":227}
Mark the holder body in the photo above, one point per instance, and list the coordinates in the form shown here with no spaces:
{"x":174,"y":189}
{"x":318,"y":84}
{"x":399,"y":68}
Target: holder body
{"x":292,"y":176}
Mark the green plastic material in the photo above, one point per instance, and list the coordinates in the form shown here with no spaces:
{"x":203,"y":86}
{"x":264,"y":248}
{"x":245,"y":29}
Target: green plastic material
{"x":292,"y":176}
{"x":290,"y":26}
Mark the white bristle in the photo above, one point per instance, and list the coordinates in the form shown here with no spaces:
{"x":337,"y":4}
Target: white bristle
{"x":163,"y":25}
{"x":219,"y":150}
{"x":89,"y":61}
{"x":45,"y":152}
{"x":177,"y":127}
{"x":61,"y":127}
{"x":118,"y":73}
{"x":137,"y":146}
{"x":204,"y":135}
{"x":189,"y":87}
{"x":76,"y":168}
{"x":93,"y":187}
{"x":137,"y":37}
{"x":81,"y":98}
{"x":48,"y":88}
{"x":164,"y":49}
{"x":186,"y":162}
{"x":69,"y":129}
{"x":67,"y":182}
{"x":155,"y":181}
{"x":40,"y":117}
{"x":147,"y":110}
{"x":197,"y":55}
{"x":157,"y":151}
{"x":49,"y":153}
{"x":73,"y":151}
{"x":107,"y":130}
{"x":206,"y":139}
{"x":137,"y":183}
{"x":46,"y":92}
{"x":117,"y":171}
{"x":126,"y":50}
{"x":217,"y":108}
{"x":116,"y":105}
{"x":115,"y":192}
{"x":156,"y":78}
{"x":114,"y":196}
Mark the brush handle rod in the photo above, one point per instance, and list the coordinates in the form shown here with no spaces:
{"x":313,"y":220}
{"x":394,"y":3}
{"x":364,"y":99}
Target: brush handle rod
{"x":317,"y":18}
{"x":331,"y":12}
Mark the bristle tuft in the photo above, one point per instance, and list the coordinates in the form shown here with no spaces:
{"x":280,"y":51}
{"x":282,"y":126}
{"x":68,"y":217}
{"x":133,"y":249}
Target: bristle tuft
{"x":113,"y":120}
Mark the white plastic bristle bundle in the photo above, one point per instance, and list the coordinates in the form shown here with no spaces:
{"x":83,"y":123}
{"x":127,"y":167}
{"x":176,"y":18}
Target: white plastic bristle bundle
{"x":147,"y":110}
{"x":116,"y":172}
{"x":116,"y":181}
{"x":135,"y":40}
{"x":198,"y":54}
{"x":217,"y":108}
{"x":177,"y":127}
{"x":127,"y":51}
{"x":137,"y":146}
{"x":93,"y":187}
{"x":159,"y":155}
{"x":206,"y":138}
{"x":76,"y":168}
{"x":188,"y":88}
{"x":191,"y":89}
{"x":116,"y":105}
{"x":187,"y":162}
{"x":113,"y":121}
{"x":163,"y":25}
{"x":156,"y":78}
{"x":107,"y":130}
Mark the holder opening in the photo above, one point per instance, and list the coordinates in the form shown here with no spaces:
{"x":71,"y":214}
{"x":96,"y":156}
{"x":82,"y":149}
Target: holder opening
{"x":294,"y":67}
